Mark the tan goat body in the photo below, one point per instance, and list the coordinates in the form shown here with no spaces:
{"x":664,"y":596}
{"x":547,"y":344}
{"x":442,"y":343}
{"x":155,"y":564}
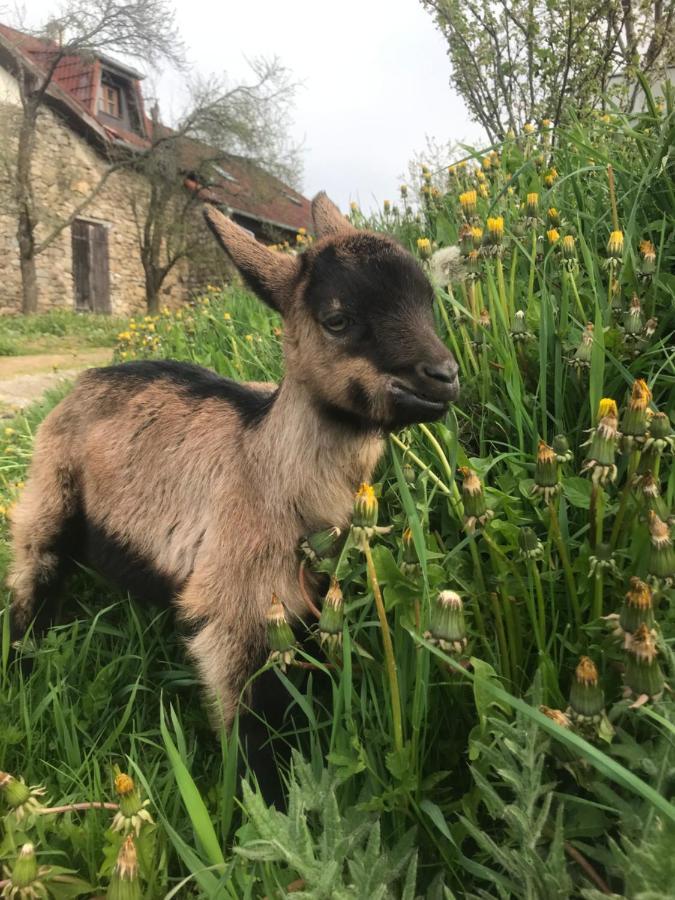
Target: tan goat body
{"x":178,"y":484}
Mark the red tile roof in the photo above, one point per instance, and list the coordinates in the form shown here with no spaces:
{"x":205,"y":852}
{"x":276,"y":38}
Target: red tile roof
{"x":251,"y":191}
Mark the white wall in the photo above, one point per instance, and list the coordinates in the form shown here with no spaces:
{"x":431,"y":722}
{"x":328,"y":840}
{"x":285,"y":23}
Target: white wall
{"x":9,"y":90}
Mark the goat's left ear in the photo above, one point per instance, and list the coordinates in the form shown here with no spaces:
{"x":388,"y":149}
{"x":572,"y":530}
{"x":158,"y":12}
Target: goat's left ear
{"x":328,"y":220}
{"x":271,"y":275}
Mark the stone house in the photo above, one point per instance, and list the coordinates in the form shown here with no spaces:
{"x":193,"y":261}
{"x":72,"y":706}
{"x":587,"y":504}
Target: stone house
{"x":94,"y":112}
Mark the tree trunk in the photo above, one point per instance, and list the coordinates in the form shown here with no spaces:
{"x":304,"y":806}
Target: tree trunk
{"x":29,"y":288}
{"x":152,"y":300}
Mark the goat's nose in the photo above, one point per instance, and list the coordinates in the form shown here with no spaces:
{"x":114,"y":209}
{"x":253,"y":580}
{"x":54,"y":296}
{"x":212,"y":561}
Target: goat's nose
{"x":445,"y":371}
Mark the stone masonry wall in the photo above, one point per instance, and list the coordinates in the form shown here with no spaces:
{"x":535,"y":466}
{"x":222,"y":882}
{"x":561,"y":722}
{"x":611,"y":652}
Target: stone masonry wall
{"x":65,"y":170}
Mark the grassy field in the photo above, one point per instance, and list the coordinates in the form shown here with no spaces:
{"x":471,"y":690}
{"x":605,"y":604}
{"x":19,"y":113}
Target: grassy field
{"x":58,"y":331}
{"x":532,"y":752}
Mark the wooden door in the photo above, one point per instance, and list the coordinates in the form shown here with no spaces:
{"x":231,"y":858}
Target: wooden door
{"x":91,"y":273}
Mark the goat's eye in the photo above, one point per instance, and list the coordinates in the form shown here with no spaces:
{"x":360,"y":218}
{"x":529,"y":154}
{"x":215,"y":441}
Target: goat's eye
{"x":336,"y":323}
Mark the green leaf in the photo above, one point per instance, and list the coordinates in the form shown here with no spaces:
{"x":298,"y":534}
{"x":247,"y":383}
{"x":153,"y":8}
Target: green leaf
{"x":577,"y":491}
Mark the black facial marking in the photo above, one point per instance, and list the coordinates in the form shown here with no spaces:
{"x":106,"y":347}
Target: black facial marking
{"x":382,"y":291}
{"x":251,"y":404}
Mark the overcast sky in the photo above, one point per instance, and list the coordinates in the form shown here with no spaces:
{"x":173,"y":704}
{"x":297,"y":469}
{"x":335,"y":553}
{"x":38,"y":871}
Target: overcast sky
{"x":374,"y":77}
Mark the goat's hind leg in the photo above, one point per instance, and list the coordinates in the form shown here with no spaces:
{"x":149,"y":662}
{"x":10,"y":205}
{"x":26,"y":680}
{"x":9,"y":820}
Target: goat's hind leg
{"x":42,"y":521}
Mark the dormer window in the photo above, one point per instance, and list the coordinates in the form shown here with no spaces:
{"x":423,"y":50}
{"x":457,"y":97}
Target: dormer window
{"x":111,"y":101}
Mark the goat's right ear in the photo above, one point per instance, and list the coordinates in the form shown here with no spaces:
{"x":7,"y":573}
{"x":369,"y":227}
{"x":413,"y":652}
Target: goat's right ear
{"x":271,"y":275}
{"x":328,"y":220}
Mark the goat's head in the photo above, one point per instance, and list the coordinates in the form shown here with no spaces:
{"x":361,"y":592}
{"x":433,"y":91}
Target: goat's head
{"x":359,"y":328}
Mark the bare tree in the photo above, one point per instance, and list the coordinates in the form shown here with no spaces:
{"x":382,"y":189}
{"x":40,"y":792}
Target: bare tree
{"x":140,"y":29}
{"x":519,"y":60}
{"x":248,"y":120}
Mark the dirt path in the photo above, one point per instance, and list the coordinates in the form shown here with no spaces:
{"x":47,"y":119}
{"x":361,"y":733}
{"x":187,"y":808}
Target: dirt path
{"x":24,"y":379}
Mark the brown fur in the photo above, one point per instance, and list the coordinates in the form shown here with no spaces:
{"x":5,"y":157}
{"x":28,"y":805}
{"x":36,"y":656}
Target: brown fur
{"x":213,"y":506}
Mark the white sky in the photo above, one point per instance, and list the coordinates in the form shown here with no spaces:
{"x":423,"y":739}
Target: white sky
{"x":374,"y":77}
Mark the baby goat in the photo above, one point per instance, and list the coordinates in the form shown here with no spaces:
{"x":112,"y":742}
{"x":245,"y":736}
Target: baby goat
{"x":178,"y":484}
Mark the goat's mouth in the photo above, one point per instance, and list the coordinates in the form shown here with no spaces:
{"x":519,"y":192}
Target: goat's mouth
{"x":411,"y":404}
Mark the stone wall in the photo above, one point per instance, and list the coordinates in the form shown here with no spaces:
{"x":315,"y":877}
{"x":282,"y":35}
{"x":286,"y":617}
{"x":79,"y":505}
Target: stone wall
{"x":65,"y":170}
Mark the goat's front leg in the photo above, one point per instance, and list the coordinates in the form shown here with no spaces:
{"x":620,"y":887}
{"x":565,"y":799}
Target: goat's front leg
{"x":227,"y":650}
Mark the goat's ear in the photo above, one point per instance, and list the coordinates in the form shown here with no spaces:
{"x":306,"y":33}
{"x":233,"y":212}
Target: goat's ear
{"x":328,"y":220}
{"x":271,"y":275}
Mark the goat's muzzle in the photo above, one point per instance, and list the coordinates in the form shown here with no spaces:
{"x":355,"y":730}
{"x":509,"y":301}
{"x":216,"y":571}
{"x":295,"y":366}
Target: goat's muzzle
{"x":424,"y":394}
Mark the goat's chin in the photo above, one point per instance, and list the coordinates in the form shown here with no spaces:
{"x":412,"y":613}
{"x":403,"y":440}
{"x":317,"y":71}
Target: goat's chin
{"x":401,"y":418}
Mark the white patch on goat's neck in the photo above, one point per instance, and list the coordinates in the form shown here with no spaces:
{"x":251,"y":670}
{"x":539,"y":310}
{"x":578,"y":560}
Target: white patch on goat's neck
{"x":310,"y":465}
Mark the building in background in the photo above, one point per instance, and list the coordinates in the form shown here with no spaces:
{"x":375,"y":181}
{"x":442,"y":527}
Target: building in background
{"x":93,"y":114}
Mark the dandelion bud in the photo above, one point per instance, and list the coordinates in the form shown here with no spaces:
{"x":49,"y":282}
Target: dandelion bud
{"x":528,"y":128}
{"x":475,"y":509}
{"x":546,"y":473}
{"x":124,"y":881}
{"x":643,"y":677}
{"x":562,"y":450}
{"x":587,"y":699}
{"x":495,"y":227}
{"x":650,"y":327}
{"x":280,"y":637}
{"x":556,"y":715}
{"x":633,"y":322}
{"x":468,"y":201}
{"x":651,"y":493}
{"x":466,"y":239}
{"x":602,"y":560}
{"x":23,"y":801}
{"x":603,"y":444}
{"x":615,"y":246}
{"x":519,"y":332}
{"x":483,"y":191}
{"x":409,"y":475}
{"x":495,"y":233}
{"x":404,"y":191}
{"x":386,"y":206}
{"x":473,"y":264}
{"x":550,"y":177}
{"x":132,"y":813}
{"x":660,"y":436}
{"x":477,"y":237}
{"x":647,"y":259}
{"x":552,"y":236}
{"x":569,"y":254}
{"x":553,"y":217}
{"x":447,"y":627}
{"x":410,"y":564}
{"x":661,"y":565}
{"x":529,"y":544}
{"x":635,"y":419}
{"x":332,"y":616}
{"x":532,"y":205}
{"x":424,"y":248}
{"x":582,"y":355}
{"x":484,"y":318}
{"x":354,"y":207}
{"x":322,"y":544}
{"x":637,"y":608}
{"x":365,"y":507}
{"x":25,"y":870}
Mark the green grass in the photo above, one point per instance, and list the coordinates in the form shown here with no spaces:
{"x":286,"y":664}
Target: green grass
{"x":57,"y":331}
{"x":485,"y":795}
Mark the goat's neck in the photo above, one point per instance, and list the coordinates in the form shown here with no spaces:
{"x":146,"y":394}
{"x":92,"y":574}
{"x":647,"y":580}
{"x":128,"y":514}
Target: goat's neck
{"x":309,"y":464}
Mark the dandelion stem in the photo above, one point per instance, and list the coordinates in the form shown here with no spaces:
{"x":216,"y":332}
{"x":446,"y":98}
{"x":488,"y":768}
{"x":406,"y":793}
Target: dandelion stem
{"x":540,"y":603}
{"x":625,"y":495}
{"x":441,"y":485}
{"x":75,"y":807}
{"x":388,"y":649}
{"x":565,"y":560}
{"x":612,"y":197}
{"x":575,"y":290}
